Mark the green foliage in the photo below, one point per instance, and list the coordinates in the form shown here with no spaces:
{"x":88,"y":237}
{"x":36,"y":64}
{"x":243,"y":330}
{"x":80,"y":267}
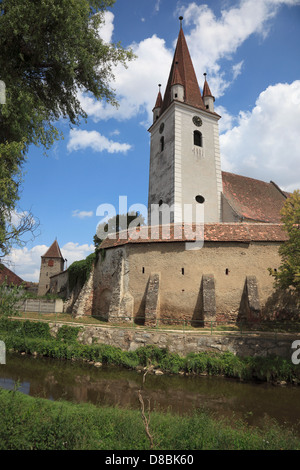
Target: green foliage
{"x":35,"y":337}
{"x":79,"y":271}
{"x":36,"y":424}
{"x":67,"y":333}
{"x":49,"y":51}
{"x":25,"y":328}
{"x":288,"y":274}
{"x":10,"y":295}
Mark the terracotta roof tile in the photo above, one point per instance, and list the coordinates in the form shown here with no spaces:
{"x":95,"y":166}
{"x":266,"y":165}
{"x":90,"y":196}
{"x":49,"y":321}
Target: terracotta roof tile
{"x":206,"y":90}
{"x":53,"y":251}
{"x":10,"y":276}
{"x":222,"y":232}
{"x":183,"y":62}
{"x":158,"y":102}
{"x":253,"y":199}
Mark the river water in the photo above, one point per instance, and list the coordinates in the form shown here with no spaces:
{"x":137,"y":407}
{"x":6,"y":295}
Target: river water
{"x":81,"y":382}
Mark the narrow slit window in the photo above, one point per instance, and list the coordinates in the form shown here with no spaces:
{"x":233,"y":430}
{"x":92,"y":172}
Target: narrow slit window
{"x":162,"y":143}
{"x":226,"y":271}
{"x":182,"y":271}
{"x":143,"y":270}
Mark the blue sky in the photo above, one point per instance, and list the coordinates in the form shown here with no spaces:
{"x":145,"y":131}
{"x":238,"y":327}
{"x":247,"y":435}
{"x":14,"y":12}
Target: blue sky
{"x":250,"y":52}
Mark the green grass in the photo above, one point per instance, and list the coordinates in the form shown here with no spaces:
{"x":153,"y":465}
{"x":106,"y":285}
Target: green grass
{"x":37,"y":424}
{"x":35,"y":337}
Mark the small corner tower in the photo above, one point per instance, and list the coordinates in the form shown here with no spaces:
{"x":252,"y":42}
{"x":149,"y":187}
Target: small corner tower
{"x":52,"y":262}
{"x":157,"y":106}
{"x":208,"y":98}
{"x":185,"y":167}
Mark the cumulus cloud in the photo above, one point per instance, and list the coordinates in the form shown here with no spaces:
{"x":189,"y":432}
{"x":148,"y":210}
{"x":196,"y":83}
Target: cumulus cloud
{"x":210,"y":39}
{"x":264,"y":143}
{"x":150,"y":68}
{"x":26,"y":262}
{"x":82,"y":139}
{"x":214,"y":38}
{"x":107,"y":27}
{"x":76,"y":252}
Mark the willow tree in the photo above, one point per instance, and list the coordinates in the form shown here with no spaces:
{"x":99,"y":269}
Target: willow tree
{"x":49,"y":50}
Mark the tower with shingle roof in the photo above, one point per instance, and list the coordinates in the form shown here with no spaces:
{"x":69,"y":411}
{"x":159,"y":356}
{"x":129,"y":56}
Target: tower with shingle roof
{"x":185,"y":164}
{"x":52,"y":262}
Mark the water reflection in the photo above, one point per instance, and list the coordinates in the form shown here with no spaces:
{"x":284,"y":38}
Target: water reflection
{"x":80,"y":382}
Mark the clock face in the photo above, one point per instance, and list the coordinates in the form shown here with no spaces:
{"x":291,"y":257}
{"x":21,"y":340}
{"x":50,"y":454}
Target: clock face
{"x":161,"y":128}
{"x":197,"y":121}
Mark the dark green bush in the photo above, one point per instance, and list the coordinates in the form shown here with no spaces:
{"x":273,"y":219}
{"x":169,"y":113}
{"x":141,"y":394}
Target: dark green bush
{"x":67,"y":333}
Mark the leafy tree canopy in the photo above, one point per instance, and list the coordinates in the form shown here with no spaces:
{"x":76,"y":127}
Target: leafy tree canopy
{"x":50,"y":49}
{"x":288,"y":274}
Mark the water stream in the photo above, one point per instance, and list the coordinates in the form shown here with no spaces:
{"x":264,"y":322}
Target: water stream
{"x":81,"y":382}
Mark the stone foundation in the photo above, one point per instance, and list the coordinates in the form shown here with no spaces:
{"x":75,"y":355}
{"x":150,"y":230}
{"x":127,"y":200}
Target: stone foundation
{"x":129,"y":339}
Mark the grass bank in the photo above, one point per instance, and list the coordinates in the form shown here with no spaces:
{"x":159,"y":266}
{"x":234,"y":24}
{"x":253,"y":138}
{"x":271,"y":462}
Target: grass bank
{"x":35,"y":338}
{"x":37,"y":424}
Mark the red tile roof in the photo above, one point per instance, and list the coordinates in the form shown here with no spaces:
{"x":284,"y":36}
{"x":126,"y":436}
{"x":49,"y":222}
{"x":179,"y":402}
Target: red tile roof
{"x":206,"y":89}
{"x":53,"y":251}
{"x":252,"y":199}
{"x":9,"y":276}
{"x":183,"y":62}
{"x":223,"y":232}
{"x":158,"y":101}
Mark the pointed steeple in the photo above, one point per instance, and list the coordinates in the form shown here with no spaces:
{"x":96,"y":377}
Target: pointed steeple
{"x":157,"y":106}
{"x":208,"y":98}
{"x":53,"y":251}
{"x":158,"y":102}
{"x":182,"y":71}
{"x":206,"y":89}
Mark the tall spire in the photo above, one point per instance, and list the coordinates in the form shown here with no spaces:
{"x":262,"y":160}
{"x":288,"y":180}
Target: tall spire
{"x":158,"y":102}
{"x":206,"y":89}
{"x":182,"y":69}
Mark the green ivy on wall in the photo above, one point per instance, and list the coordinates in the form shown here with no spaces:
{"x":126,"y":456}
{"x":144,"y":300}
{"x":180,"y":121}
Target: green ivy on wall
{"x":79,"y":271}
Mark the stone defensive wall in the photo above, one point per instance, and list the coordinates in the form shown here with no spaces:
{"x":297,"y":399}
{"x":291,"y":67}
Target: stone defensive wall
{"x":225,"y":279}
{"x":182,"y":343}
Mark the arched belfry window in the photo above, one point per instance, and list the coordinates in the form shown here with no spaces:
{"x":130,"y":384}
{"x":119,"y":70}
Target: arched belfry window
{"x":162,"y":143}
{"x":198,"y":138}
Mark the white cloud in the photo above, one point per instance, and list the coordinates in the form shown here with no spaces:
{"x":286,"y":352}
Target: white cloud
{"x":227,"y":121}
{"x":75,"y":252}
{"x":237,"y":69}
{"x":107,"y":28}
{"x":115,"y":132}
{"x":26,"y":263}
{"x":264,"y":143}
{"x":212,"y":39}
{"x":137,"y":85}
{"x":82,"y":139}
{"x":157,"y":5}
{"x":82,"y":214}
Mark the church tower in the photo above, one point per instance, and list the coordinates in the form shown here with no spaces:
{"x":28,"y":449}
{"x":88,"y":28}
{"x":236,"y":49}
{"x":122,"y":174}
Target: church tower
{"x":52,"y":262}
{"x":185,"y":164}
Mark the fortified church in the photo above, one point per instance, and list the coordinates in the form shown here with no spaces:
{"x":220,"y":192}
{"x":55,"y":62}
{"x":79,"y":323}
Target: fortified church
{"x":157,"y":275}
